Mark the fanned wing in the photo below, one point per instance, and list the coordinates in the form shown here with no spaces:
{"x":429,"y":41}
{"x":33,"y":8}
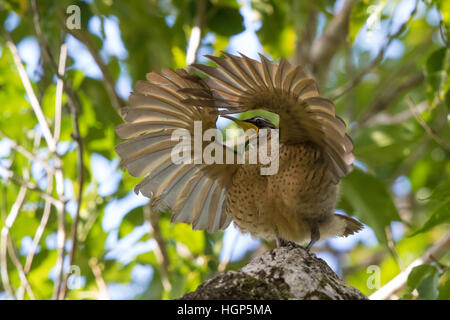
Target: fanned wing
{"x":240,"y":84}
{"x":194,"y":192}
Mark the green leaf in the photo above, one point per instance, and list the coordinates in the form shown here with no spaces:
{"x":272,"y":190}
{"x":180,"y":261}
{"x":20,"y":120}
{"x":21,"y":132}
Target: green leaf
{"x":38,"y":276}
{"x":273,"y":17}
{"x":183,"y":233}
{"x":370,"y":201}
{"x":441,"y":193}
{"x":428,"y":288}
{"x":383,"y":144}
{"x":417,"y":274}
{"x":435,"y":60}
{"x":226,"y":21}
{"x":440,"y":215}
{"x":437,"y":70}
{"x":360,"y":13}
{"x":131,"y":220}
{"x":114,"y":67}
{"x":444,"y":288}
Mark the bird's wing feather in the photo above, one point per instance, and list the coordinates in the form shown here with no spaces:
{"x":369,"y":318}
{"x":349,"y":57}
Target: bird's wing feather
{"x":240,"y":84}
{"x":195,"y":193}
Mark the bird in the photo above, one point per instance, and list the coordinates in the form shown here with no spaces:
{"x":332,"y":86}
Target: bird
{"x":295,"y":205}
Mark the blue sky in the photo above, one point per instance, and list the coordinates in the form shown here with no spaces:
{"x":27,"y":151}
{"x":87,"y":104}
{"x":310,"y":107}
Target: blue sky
{"x":108,"y":176}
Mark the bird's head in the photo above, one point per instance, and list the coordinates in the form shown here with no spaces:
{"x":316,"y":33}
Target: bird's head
{"x":254,"y":123}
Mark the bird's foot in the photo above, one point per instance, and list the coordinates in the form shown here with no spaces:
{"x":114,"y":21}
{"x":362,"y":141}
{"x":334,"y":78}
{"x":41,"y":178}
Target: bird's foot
{"x":310,"y":244}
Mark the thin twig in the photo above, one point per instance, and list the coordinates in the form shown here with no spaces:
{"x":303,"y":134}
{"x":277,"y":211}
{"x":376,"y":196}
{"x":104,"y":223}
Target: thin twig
{"x":32,"y":187}
{"x":59,"y":91}
{"x":325,"y":47}
{"x":61,"y":239}
{"x":356,"y":80}
{"x":305,"y":33}
{"x":31,"y":95}
{"x":3,"y":207}
{"x":59,"y":176}
{"x":351,"y":97}
{"x":15,"y":209}
{"x":425,"y":126}
{"x":223,"y":265}
{"x":415,"y":155}
{"x":195,"y":38}
{"x":442,"y":31}
{"x":389,"y":95}
{"x":27,"y":154}
{"x":373,"y":259}
{"x":37,"y":237}
{"x":101,"y":284}
{"x":74,"y":228}
{"x":48,"y":56}
{"x":392,"y":248}
{"x":384,"y":118}
{"x":161,"y":249}
{"x":40,"y":35}
{"x":33,"y":249}
{"x":59,"y":69}
{"x":80,"y":179}
{"x":109,"y":82}
{"x":7,"y":245}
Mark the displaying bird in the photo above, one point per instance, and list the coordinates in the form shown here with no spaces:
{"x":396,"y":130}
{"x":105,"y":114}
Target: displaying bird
{"x":315,"y":152}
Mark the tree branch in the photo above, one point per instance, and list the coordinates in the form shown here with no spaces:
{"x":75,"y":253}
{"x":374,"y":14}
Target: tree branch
{"x":437,"y":251}
{"x":31,"y":95}
{"x":305,"y":35}
{"x":59,"y":91}
{"x":74,"y":110}
{"x":195,"y":38}
{"x":51,"y":142}
{"x":325,"y":47}
{"x":101,"y":284}
{"x":59,"y":69}
{"x":356,"y":80}
{"x":27,"y":154}
{"x":37,"y":237}
{"x":32,"y":187}
{"x":19,"y":267}
{"x":45,"y":48}
{"x":282,"y":273}
{"x":161,"y":249}
{"x":389,"y":94}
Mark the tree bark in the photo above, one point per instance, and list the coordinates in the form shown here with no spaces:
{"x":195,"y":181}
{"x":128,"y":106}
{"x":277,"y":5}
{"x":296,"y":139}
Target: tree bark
{"x":282,"y":273}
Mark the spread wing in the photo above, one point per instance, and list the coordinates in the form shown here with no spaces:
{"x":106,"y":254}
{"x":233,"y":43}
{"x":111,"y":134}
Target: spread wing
{"x":240,"y":84}
{"x":194,"y":192}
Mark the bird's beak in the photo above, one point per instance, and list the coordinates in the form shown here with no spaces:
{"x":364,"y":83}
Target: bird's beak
{"x":242,"y":123}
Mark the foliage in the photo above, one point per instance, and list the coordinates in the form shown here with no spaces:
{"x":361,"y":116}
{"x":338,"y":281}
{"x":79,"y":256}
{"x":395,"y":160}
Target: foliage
{"x":401,"y":180}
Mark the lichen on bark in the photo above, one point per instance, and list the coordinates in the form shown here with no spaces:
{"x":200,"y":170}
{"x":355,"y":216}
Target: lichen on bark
{"x":283,"y":273}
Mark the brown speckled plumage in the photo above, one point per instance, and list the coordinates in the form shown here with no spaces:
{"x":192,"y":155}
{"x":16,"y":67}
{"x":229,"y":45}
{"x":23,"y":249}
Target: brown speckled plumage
{"x":283,"y":204}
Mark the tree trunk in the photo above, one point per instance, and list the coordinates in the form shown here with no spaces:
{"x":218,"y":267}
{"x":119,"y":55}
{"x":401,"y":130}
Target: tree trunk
{"x":282,"y":273}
